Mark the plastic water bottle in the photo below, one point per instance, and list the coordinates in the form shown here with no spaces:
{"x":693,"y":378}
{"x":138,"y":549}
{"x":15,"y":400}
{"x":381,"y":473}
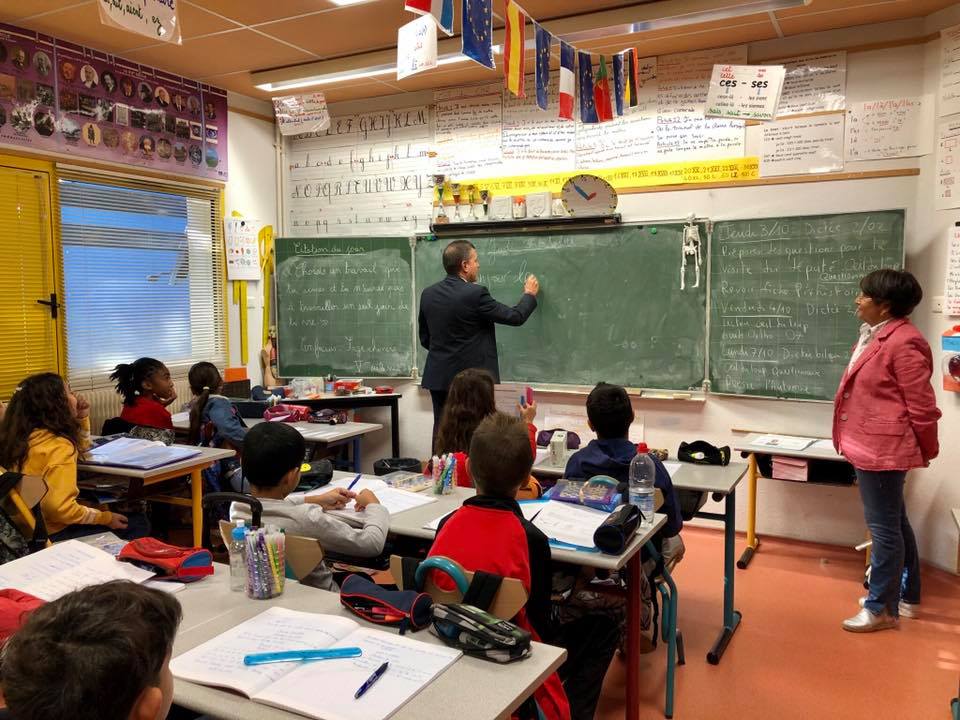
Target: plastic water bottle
{"x":642,"y":474}
{"x":238,"y":563}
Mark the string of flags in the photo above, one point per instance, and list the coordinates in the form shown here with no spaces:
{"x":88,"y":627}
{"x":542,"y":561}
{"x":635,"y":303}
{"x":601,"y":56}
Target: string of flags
{"x":598,"y":102}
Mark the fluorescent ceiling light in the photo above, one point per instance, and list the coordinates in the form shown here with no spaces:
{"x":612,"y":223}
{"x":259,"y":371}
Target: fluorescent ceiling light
{"x":607,"y":24}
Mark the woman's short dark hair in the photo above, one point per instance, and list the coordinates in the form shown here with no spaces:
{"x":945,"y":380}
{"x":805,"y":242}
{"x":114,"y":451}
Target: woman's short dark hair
{"x":897,"y":288}
{"x":90,"y":654}
{"x":455,"y":254}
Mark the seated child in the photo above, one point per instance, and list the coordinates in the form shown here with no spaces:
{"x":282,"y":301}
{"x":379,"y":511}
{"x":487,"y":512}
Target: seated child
{"x":610,"y":414}
{"x":215,"y":422}
{"x":147,"y":390}
{"x":469,"y":401}
{"x":42,"y":433}
{"x":513,"y":547}
{"x":100,"y":653}
{"x":271,"y":463}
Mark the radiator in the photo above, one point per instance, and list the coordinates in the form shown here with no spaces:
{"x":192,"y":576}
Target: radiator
{"x":105,"y":403}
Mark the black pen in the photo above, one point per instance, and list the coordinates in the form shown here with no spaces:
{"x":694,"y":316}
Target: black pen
{"x":371,"y":680}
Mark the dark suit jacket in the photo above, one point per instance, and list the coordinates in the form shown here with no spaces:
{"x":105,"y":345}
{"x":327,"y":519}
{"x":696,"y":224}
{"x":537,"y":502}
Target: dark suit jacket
{"x":456,"y":322}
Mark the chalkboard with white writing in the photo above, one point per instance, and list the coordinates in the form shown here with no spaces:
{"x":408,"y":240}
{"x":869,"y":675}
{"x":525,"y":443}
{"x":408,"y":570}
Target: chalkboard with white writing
{"x":344,"y":307}
{"x":782,"y":321}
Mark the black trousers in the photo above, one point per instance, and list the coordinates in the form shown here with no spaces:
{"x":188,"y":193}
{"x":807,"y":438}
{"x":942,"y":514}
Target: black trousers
{"x":439,"y":398}
{"x":590,"y":642}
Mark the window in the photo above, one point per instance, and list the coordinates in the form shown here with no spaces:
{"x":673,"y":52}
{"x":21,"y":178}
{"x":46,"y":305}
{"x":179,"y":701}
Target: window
{"x":143,"y":275}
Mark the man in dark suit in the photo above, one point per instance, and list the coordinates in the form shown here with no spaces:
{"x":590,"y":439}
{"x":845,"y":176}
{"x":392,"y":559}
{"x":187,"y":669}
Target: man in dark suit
{"x":457,"y":319}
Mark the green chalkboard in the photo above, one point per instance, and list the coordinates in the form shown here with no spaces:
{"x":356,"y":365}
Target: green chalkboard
{"x":610,"y":306}
{"x":782,"y":320}
{"x":344,"y":307}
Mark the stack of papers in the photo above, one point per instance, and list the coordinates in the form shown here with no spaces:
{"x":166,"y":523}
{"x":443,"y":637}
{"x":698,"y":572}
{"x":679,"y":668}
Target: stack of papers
{"x":783,"y":442}
{"x":139,"y":454}
{"x":65,"y":567}
{"x":569,"y":524}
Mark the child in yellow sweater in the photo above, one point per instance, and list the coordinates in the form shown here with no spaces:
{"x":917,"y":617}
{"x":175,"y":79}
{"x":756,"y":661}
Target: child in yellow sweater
{"x":43,"y":431}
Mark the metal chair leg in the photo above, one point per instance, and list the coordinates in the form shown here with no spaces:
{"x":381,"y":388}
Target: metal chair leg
{"x":670,"y":613}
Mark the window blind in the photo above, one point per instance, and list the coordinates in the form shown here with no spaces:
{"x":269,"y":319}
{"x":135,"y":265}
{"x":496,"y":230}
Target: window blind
{"x":28,"y":332}
{"x":143,"y":273}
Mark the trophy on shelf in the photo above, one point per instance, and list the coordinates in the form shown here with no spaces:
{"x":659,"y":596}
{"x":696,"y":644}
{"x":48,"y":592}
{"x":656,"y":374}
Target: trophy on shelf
{"x":440,"y":216}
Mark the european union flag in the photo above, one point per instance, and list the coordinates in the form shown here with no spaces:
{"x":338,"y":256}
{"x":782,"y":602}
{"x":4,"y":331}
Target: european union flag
{"x":588,"y":109}
{"x":477,"y":21}
{"x":544,"y":40}
{"x":618,"y":82}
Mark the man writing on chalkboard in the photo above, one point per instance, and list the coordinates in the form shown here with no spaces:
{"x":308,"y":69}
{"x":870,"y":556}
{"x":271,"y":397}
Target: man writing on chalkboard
{"x":457,"y":319}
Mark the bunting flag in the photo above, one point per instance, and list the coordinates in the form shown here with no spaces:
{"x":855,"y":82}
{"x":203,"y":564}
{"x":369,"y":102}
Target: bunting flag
{"x":618,"y":82}
{"x":568,"y":82}
{"x":544,"y":41}
{"x":601,"y":93}
{"x":633,"y":78}
{"x":513,"y":49}
{"x":477,"y":28}
{"x":442,"y":11}
{"x":588,"y":108}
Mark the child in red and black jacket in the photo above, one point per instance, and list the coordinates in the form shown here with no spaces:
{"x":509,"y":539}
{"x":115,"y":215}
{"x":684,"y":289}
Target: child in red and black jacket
{"x":147,"y":390}
{"x":489,"y":533}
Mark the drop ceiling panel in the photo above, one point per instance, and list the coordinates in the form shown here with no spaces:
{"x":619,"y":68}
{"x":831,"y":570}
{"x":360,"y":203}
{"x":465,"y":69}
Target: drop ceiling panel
{"x":219,"y":54}
{"x":858,"y":15}
{"x":372,"y":27}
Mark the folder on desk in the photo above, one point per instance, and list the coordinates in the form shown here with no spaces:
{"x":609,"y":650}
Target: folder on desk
{"x":790,"y":468}
{"x":139,"y":454}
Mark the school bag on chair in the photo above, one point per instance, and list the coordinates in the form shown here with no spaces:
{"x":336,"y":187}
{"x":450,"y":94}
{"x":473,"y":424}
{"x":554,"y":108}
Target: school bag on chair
{"x":13,"y":543}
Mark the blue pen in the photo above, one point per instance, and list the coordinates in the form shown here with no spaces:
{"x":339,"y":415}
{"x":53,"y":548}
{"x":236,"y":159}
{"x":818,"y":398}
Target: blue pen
{"x":355,"y":481}
{"x":371,"y":680}
{"x":301,"y":655}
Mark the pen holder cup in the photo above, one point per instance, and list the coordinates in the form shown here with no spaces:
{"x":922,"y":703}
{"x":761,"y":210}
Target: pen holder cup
{"x":266,"y":570}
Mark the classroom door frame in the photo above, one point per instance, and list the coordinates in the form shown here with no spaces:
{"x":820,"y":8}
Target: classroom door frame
{"x":45,"y":172}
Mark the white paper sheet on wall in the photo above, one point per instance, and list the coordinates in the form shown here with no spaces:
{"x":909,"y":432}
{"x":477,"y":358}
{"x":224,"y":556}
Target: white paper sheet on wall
{"x":467,"y":137}
{"x":534,"y":140}
{"x":891,"y":128}
{"x":951,"y":300}
{"x":948,"y":164}
{"x":800,"y":145}
{"x":367,"y":174}
{"x":814,"y":83}
{"x":950,"y":70}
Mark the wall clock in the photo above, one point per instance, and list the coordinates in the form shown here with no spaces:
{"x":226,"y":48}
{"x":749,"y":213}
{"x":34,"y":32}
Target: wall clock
{"x":584,"y":195}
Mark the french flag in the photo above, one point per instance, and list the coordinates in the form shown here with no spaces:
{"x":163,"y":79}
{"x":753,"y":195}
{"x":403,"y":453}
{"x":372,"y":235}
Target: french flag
{"x":568,"y":82}
{"x":442,"y":11}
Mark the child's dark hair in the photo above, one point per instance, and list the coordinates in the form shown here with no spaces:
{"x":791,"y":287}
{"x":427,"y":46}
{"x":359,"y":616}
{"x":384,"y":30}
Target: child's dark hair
{"x":39,"y":403}
{"x":205,"y":380}
{"x":90,"y":654}
{"x":609,"y":411}
{"x":129,"y":378}
{"x":270,"y":451}
{"x":469,"y":400}
{"x":500,"y":455}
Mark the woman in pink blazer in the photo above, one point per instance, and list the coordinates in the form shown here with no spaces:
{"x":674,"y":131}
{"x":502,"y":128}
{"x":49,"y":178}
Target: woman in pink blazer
{"x":885,"y":423}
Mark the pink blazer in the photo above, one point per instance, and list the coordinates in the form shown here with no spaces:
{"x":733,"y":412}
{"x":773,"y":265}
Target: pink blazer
{"x":885,"y":413}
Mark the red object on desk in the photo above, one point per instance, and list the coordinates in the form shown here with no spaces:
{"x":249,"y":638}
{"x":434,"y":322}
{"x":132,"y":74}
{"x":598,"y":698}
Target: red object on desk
{"x":383,"y":390}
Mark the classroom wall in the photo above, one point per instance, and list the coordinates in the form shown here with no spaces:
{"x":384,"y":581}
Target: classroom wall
{"x":252,"y":191}
{"x":809,"y":512}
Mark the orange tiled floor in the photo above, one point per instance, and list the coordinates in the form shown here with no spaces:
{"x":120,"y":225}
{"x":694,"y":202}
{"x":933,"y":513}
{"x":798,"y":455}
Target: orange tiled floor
{"x":789,"y":659}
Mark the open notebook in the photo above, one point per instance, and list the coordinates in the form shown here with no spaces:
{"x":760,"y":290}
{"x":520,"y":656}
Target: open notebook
{"x":321,"y":689}
{"x":139,"y":454}
{"x":64,"y":567}
{"x":396,"y":501}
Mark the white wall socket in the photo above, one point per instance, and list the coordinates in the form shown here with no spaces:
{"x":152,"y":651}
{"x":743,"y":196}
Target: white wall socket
{"x":937,"y":304}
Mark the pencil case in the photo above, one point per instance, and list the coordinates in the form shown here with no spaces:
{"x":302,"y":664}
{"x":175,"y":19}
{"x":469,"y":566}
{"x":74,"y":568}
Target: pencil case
{"x":600,"y":492}
{"x":478,"y":633}
{"x":616,"y":531}
{"x":169,"y":562}
{"x":395,"y":608}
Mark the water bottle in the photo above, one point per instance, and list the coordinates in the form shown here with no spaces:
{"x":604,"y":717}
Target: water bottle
{"x":238,"y":563}
{"x":642,"y":474}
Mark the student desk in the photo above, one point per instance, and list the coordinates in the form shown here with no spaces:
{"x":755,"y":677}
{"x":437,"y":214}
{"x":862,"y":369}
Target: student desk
{"x":330,"y":435}
{"x":410,"y":524}
{"x":478,"y":689}
{"x":718,"y":480}
{"x":390,"y":400}
{"x":194,"y":466}
{"x":745,"y":444}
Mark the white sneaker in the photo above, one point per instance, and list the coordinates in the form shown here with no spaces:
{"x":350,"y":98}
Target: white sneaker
{"x":865,"y":621}
{"x":907,"y":610}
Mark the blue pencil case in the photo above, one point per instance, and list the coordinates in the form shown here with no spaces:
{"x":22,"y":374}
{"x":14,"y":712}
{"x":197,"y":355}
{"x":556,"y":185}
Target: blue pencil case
{"x":395,"y":608}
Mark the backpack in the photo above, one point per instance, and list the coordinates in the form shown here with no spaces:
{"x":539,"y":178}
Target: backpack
{"x":13,"y":543}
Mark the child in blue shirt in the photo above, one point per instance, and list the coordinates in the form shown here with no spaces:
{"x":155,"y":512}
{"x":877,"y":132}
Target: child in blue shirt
{"x":215,"y":422}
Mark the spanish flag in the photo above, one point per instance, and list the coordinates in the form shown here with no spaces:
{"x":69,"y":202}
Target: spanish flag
{"x":513,"y":55}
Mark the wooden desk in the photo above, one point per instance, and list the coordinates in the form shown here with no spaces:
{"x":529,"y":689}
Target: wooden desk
{"x":745,"y":444}
{"x":411,"y":522}
{"x":719,"y":481}
{"x":144,"y":478}
{"x":479,"y":689}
